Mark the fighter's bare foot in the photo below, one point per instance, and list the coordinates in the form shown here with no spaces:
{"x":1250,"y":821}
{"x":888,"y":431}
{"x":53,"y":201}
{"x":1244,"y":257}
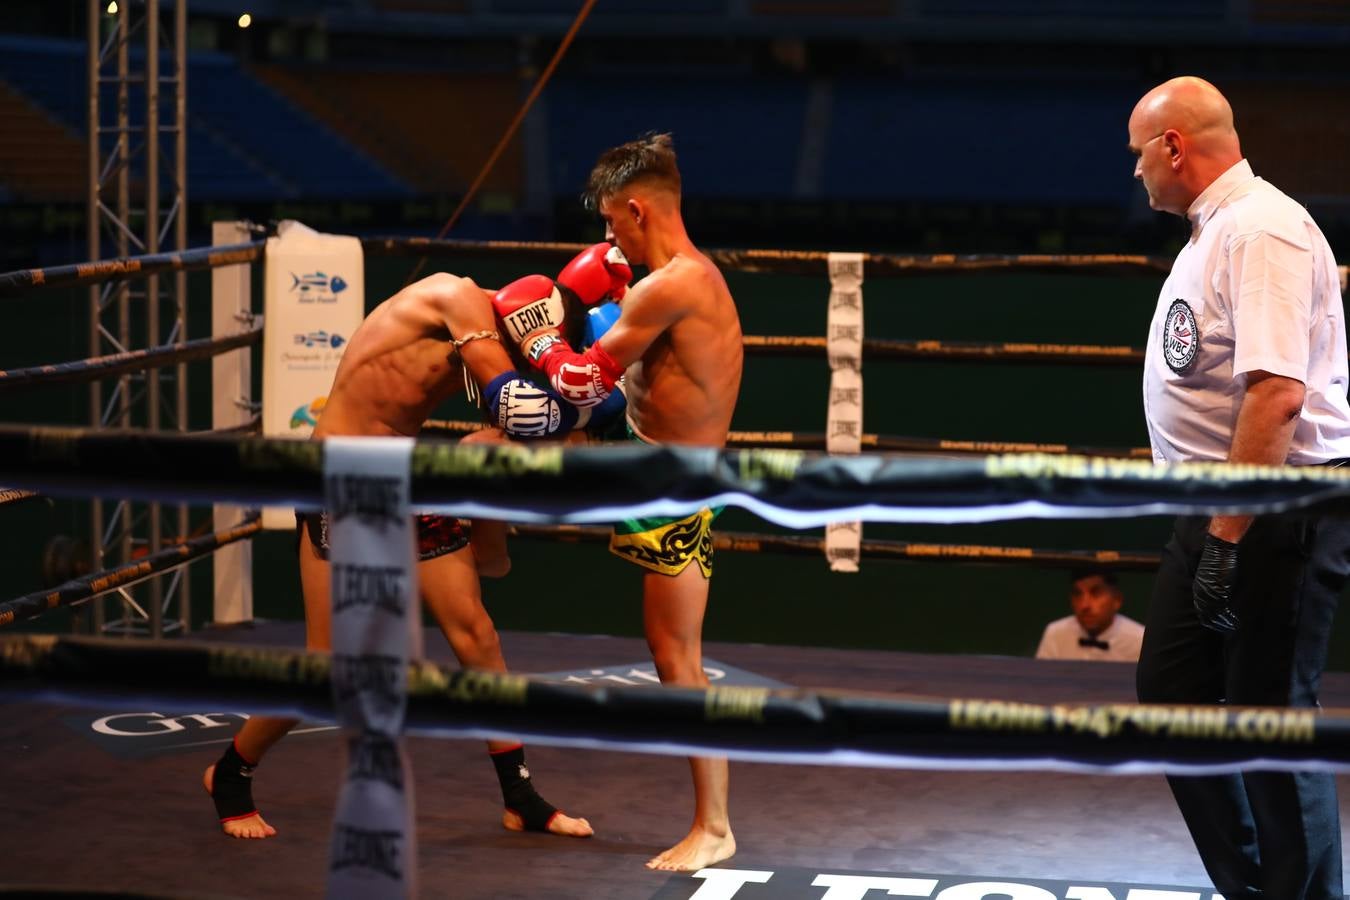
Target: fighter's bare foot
{"x":699,"y":849}
{"x":561,"y":823}
{"x":252,"y":826}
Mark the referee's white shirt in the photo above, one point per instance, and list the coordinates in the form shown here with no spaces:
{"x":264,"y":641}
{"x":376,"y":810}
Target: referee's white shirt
{"x":1255,"y":288}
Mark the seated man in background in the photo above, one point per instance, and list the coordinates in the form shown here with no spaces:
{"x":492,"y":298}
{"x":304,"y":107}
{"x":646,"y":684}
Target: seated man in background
{"x":1096,"y":630}
{"x":428,"y":342}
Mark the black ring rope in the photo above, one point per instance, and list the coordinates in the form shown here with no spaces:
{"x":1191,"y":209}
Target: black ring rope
{"x":78,"y":590}
{"x":896,"y":551}
{"x":816,"y":440}
{"x":794,"y":262}
{"x":97,"y":367}
{"x":14,"y":495}
{"x":129,"y":267}
{"x":954,"y":351}
{"x":591,"y":484}
{"x":790,"y":725}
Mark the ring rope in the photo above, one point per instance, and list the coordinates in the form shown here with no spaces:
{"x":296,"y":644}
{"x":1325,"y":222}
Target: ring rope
{"x":788,"y":262}
{"x":94,"y":368}
{"x":14,"y":495}
{"x":798,"y":440}
{"x":963,"y":351}
{"x":785,"y":725}
{"x":595,"y":484}
{"x":87,"y":587}
{"x":128,"y":267}
{"x":791,"y":262}
{"x":794,"y":545}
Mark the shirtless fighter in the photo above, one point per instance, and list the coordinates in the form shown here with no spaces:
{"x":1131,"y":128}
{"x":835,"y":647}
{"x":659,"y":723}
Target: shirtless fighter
{"x":677,"y":343}
{"x":413,"y":351}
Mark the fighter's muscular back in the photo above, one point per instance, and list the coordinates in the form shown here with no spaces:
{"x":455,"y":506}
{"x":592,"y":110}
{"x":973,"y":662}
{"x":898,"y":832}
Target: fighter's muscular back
{"x":397,"y":367}
{"x":683,"y":388}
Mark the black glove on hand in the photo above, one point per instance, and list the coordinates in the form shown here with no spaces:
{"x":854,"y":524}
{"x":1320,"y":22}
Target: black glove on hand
{"x":1212,"y":589}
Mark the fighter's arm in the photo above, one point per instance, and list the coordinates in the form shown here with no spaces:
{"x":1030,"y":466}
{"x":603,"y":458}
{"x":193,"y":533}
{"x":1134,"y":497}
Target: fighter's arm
{"x":649,"y":310}
{"x":531,"y":310}
{"x":516,"y":405}
{"x":465,"y":309}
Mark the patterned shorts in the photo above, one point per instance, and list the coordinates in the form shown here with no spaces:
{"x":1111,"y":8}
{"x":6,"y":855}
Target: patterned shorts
{"x":436,"y":535}
{"x":667,"y":545}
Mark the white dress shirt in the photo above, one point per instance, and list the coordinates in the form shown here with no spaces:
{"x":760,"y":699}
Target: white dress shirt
{"x":1255,"y":288}
{"x":1062,"y":637}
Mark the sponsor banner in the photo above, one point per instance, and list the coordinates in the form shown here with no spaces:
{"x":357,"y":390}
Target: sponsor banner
{"x":644,"y":673}
{"x":313,"y":300}
{"x":813,"y":884}
{"x":142,"y":733}
{"x":376,"y":629}
{"x":844,"y":427}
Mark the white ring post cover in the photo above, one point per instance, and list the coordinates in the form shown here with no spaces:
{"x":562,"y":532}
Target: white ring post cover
{"x":375,"y":625}
{"x":843,"y":433}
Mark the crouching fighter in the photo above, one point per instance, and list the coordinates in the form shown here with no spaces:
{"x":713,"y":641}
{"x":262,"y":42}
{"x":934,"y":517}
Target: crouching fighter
{"x":424,"y":344}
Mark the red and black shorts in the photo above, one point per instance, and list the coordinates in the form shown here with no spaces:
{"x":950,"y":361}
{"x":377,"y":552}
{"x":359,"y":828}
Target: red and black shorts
{"x":436,"y":535}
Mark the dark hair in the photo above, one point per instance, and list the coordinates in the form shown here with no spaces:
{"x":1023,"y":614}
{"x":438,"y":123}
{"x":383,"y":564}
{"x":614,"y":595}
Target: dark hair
{"x":1107,"y":575}
{"x":649,"y":158}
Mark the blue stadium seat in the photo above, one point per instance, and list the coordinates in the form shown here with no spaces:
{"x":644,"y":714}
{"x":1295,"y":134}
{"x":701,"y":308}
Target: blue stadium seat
{"x":734,"y":136}
{"x":1009,"y":142}
{"x":244,"y":140}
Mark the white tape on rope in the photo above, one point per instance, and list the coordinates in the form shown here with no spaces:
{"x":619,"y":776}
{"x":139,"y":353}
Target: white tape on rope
{"x":376,"y":627}
{"x":843,"y":432}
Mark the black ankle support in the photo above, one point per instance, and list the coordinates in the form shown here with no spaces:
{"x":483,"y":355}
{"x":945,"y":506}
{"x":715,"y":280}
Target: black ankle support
{"x":232,"y":786}
{"x":518,"y":793}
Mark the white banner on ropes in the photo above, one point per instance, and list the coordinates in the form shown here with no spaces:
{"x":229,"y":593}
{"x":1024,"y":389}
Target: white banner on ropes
{"x":843,"y":432}
{"x":376,"y":628}
{"x":314,"y":298}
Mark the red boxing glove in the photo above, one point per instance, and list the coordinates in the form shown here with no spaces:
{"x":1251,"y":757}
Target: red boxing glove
{"x":600,"y":272}
{"x":582,"y":379}
{"x":531,"y":309}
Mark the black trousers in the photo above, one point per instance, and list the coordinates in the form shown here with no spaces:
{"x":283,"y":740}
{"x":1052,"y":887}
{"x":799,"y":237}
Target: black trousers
{"x":1260,"y":834}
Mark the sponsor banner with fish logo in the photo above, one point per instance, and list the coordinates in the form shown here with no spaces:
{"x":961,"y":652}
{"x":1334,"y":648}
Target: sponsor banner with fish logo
{"x":314,"y":300}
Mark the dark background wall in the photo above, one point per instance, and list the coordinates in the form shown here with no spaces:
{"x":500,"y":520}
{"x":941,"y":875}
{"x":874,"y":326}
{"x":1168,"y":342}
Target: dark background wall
{"x":916,"y":127}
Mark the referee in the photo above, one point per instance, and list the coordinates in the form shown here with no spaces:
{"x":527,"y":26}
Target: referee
{"x":1246,"y":362}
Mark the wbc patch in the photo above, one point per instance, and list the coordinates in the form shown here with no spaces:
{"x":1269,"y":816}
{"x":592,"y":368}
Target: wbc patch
{"x":1180,"y":337}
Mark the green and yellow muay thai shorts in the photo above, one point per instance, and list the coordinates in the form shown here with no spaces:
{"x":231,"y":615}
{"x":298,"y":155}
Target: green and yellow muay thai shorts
{"x":666,"y":544}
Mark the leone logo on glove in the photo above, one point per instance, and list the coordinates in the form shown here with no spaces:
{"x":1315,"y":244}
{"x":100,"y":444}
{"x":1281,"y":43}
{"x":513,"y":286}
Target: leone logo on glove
{"x":526,"y":411}
{"x":536,"y":316}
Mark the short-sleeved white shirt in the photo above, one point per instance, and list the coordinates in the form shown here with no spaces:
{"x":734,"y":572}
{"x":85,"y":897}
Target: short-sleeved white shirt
{"x":1123,"y":638}
{"x":1255,"y":289}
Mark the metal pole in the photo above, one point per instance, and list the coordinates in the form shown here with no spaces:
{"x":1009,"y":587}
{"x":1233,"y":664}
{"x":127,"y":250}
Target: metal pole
{"x":123,"y":249}
{"x":92,"y":220}
{"x":152,"y":382}
{"x":180,"y":244}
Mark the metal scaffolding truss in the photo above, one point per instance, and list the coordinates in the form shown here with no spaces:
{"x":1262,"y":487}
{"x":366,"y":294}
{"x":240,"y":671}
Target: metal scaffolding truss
{"x":137,"y":204}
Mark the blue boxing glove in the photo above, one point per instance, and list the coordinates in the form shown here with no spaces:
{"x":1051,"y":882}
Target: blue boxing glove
{"x":524,"y":410}
{"x":599,"y":319}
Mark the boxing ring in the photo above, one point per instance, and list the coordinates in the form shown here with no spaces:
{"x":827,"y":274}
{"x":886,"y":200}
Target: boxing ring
{"x":915,"y":774}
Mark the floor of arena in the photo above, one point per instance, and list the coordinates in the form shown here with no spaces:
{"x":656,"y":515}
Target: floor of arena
{"x":123,"y":809}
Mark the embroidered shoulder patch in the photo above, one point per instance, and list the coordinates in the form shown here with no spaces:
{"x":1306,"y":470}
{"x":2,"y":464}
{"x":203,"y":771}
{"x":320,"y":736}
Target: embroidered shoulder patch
{"x":1180,"y":337}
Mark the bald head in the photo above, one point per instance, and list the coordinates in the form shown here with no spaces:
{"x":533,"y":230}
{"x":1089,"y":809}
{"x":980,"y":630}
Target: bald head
{"x":1195,"y":108}
{"x":1191,"y":124}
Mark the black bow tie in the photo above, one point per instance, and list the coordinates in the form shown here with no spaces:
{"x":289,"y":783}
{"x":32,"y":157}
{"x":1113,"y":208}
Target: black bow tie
{"x":1093,"y":642}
